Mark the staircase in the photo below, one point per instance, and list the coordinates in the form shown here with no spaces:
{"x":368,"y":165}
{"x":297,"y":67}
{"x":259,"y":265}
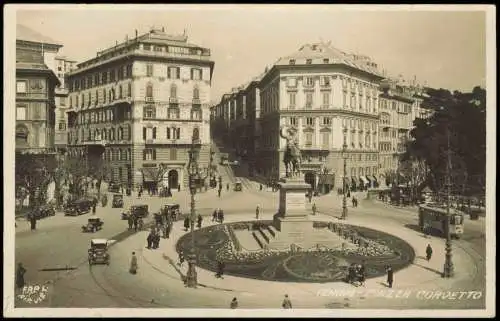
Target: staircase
{"x":264,"y":235}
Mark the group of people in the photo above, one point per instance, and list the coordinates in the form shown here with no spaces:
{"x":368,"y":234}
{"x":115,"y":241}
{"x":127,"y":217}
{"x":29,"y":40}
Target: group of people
{"x":135,"y":222}
{"x":153,"y":238}
{"x":188,"y":222}
{"x":357,"y":273}
{"x":218,"y":216}
{"x":354,"y":201}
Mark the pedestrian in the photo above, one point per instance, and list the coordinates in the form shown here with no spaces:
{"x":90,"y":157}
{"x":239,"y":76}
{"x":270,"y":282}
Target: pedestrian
{"x":227,"y":186}
{"x":186,"y":223}
{"x":200,"y":220}
{"x":314,"y":208}
{"x":310,"y":196}
{"x":287,"y":304}
{"x":390,"y":276}
{"x":428,"y":252}
{"x":221,"y":216}
{"x":219,"y":191}
{"x":234,"y":303}
{"x":257,"y":212}
{"x":130,"y":222}
{"x":353,"y":201}
{"x":214,"y":216}
{"x":93,"y":207}
{"x":150,"y":239}
{"x":220,"y":269}
{"x":20,"y":276}
{"x":348,"y":194}
{"x":362,"y":275}
{"x":33,"y":221}
{"x":260,"y":187}
{"x":133,"y":264}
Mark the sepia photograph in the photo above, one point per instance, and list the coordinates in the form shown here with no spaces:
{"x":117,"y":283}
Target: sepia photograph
{"x":285,"y":160}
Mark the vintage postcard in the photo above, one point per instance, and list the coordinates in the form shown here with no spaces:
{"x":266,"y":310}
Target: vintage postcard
{"x":249,"y":160}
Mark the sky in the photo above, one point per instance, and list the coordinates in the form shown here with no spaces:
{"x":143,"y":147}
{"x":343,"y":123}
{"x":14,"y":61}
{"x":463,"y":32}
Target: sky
{"x":443,"y":49}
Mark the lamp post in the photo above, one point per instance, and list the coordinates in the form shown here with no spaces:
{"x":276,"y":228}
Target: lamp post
{"x":344,"y":156}
{"x":448,"y":270}
{"x":193,"y":171}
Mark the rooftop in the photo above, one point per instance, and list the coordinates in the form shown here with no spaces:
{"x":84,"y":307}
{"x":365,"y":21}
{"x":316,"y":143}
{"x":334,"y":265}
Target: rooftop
{"x":318,"y":52}
{"x":27,"y":34}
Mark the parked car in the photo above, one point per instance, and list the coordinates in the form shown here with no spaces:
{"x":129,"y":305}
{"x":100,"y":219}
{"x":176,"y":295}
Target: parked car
{"x":79,"y":207}
{"x":238,"y":187}
{"x":98,"y":252}
{"x":114,"y":187}
{"x":43,"y":211}
{"x":94,"y":224}
{"x":117,"y":201}
{"x":141,"y":211}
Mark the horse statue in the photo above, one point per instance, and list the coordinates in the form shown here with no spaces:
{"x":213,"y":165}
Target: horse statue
{"x":292,"y":151}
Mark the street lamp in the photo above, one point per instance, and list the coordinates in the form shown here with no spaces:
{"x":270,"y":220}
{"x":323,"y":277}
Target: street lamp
{"x":193,"y":171}
{"x":344,"y":156}
{"x":448,"y":270}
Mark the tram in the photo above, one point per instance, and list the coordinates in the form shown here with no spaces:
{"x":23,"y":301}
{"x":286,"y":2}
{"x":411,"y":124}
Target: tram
{"x":434,"y":217}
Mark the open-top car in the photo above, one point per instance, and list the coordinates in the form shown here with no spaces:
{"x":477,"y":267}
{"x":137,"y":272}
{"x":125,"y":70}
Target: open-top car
{"x":94,"y":224}
{"x":98,"y":252}
{"x":78,"y":207}
{"x":117,"y":201}
{"x":141,"y":211}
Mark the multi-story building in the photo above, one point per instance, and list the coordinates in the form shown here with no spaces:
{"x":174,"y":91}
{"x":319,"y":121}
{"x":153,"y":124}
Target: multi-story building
{"x":63,"y":65}
{"x":320,"y":91}
{"x":35,"y":85}
{"x":140,"y":103}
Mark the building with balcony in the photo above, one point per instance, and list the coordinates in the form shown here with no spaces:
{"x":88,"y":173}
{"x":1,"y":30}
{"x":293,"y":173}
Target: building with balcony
{"x":35,"y":92}
{"x":320,"y":90}
{"x":63,"y":66}
{"x":139,"y":103}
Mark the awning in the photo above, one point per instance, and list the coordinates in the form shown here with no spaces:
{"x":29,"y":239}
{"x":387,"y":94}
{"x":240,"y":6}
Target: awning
{"x":361,"y":181}
{"x":374,"y":178}
{"x":150,"y":174}
{"x":369,"y":178}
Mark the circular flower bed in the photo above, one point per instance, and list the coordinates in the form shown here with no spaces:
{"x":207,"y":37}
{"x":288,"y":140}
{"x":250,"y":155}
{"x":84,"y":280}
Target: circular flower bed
{"x":375,"y":248}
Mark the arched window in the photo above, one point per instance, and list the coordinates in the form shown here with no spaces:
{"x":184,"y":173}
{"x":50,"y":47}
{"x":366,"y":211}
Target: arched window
{"x":196,"y":134}
{"x":120,"y":93}
{"x":129,"y":154}
{"x":97,"y":134}
{"x":129,"y":132}
{"x":120,"y":133}
{"x":129,"y":91}
{"x":173,"y":91}
{"x":104,"y":95}
{"x":196,"y":93}
{"x":113,"y":134}
{"x":104,"y":133}
{"x":96,"y":97}
{"x":149,"y":90}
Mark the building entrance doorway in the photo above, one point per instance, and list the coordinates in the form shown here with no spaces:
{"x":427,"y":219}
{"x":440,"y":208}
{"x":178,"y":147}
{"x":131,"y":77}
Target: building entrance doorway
{"x":310,"y":178}
{"x":173,"y":179}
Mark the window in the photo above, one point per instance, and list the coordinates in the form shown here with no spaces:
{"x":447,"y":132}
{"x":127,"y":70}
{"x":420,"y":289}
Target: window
{"x":149,"y":112}
{"x":196,"y":113}
{"x":293,"y":121}
{"x":308,"y":61}
{"x":120,"y":92}
{"x":129,"y":70}
{"x":149,"y":70}
{"x":309,"y":100}
{"x":291,"y":97}
{"x":325,"y":81}
{"x":173,"y":73}
{"x":310,"y":121}
{"x":21,"y":87}
{"x":21,"y":135}
{"x":129,"y":90}
{"x":112,"y":75}
{"x":325,"y":139}
{"x":196,"y":93}
{"x":173,"y":154}
{"x":291,"y":82}
{"x":158,"y":48}
{"x":308,"y":139}
{"x":144,"y":133}
{"x":62,"y":101}
{"x":291,"y":61}
{"x":149,"y":90}
{"x":20,"y":113}
{"x":173,"y":91}
{"x":326,"y":100}
{"x":154,"y":132}
{"x":173,"y":113}
{"x":327,"y":121}
{"x":309,"y":81}
{"x":149,"y":154}
{"x":326,"y":61}
{"x":36,"y":110}
{"x":195,"y":74}
{"x":120,"y":133}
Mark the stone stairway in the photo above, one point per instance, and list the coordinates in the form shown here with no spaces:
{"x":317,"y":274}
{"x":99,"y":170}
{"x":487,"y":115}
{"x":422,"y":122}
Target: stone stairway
{"x":264,"y":235}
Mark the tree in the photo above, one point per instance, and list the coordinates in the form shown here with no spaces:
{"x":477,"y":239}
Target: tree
{"x":460,"y":122}
{"x":33,"y":173}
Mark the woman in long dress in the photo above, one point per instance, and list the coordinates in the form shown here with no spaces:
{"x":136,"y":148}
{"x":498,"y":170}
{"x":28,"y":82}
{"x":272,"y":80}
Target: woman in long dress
{"x":133,"y":264}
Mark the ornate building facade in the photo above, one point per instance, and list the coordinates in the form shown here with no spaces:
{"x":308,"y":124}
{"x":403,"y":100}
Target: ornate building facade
{"x":35,"y":86}
{"x":63,"y":66}
{"x":142,"y":101}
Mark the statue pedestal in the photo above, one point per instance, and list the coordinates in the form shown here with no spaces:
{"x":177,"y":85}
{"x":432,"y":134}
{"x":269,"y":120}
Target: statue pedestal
{"x":292,"y":221}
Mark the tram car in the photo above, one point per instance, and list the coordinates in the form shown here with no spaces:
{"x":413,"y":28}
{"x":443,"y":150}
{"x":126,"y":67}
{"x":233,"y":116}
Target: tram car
{"x":432,"y":217}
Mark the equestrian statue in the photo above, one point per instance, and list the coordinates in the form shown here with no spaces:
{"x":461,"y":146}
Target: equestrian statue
{"x":292,"y":157}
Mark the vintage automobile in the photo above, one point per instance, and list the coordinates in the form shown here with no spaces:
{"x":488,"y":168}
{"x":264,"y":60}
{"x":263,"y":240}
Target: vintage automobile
{"x":113,"y":187}
{"x":94,"y":224}
{"x":117,"y":201}
{"x":140,"y":210}
{"x":78,"y":207}
{"x":238,"y":187}
{"x":43,"y":211}
{"x":173,"y":209}
{"x":98,"y":252}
